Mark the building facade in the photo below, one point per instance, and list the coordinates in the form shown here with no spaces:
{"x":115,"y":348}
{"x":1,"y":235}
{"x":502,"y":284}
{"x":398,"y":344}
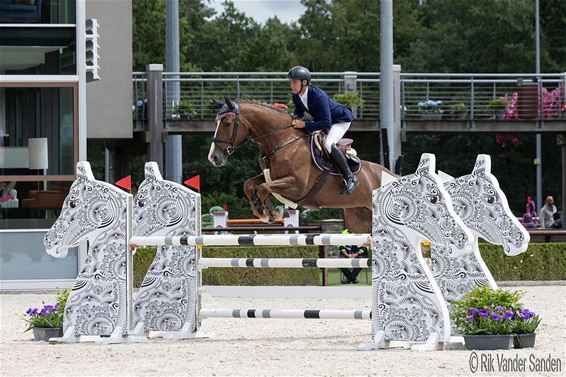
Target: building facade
{"x":50,"y":103}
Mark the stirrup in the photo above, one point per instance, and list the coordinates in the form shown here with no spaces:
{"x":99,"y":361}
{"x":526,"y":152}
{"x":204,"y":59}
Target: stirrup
{"x":351,"y":180}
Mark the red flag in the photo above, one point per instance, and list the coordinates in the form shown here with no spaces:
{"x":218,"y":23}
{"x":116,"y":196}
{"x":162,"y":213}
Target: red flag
{"x":193,"y":182}
{"x":125,"y":183}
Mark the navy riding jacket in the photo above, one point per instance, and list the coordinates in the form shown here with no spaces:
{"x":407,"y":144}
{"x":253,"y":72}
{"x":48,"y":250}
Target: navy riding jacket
{"x":324,"y":110}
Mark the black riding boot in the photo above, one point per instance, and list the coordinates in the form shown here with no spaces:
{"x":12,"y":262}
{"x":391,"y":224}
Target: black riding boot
{"x":350,"y":180}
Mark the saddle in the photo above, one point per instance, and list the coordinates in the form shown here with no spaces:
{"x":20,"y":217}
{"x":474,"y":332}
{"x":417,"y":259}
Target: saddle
{"x":325,"y":163}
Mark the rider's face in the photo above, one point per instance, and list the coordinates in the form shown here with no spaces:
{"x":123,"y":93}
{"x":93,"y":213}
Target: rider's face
{"x":295,"y":86}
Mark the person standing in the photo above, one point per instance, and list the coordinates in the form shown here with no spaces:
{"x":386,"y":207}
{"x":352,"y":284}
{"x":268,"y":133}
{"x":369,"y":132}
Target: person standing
{"x":353,"y":251}
{"x":546,"y":212}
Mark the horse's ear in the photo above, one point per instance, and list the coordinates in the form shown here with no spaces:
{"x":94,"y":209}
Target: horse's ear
{"x":217,"y":103}
{"x":427,"y":163}
{"x":84,"y":170}
{"x":230,"y":104}
{"x":387,"y":178}
{"x":152,"y":171}
{"x":445,"y":177}
{"x":483,"y":164}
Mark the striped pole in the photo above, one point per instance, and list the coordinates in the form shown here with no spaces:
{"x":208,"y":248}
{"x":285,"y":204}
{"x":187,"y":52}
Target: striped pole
{"x":285,"y":313}
{"x":255,"y":239}
{"x":285,"y":262}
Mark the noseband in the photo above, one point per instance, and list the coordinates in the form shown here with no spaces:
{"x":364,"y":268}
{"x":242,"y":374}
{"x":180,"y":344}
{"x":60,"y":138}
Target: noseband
{"x":231,"y":148}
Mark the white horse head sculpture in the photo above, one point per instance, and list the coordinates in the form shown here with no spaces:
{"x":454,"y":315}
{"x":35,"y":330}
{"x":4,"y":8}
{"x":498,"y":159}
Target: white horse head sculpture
{"x":483,"y":206}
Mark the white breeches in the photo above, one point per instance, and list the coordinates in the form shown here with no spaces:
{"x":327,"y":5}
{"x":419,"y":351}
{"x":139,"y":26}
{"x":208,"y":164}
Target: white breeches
{"x":335,"y":133}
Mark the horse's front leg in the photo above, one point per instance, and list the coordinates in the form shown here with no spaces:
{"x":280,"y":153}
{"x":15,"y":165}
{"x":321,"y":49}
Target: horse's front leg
{"x":284,"y":186}
{"x":250,"y":190}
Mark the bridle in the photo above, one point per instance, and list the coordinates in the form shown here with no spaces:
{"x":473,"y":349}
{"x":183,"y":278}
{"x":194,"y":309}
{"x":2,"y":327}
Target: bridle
{"x":231,"y":148}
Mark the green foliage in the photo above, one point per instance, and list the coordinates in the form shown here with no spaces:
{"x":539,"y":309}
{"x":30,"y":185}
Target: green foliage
{"x":242,"y":276}
{"x":541,"y":261}
{"x":526,"y":322}
{"x":49,"y":316}
{"x":497,"y":104}
{"x":143,"y":258}
{"x":261,"y":276}
{"x":486,"y":311}
{"x":350,"y":99}
{"x":458,"y":108}
{"x":184,"y":109}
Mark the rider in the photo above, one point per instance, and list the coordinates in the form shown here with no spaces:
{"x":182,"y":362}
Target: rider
{"x":327,"y":115}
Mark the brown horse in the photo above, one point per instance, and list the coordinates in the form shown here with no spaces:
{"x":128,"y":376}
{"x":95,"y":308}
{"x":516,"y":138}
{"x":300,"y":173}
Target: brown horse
{"x":293,"y":175}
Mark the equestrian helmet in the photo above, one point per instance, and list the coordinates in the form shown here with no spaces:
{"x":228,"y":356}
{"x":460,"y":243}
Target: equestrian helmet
{"x":299,"y":73}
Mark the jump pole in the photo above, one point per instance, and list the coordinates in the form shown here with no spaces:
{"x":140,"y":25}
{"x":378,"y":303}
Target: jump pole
{"x":255,"y":239}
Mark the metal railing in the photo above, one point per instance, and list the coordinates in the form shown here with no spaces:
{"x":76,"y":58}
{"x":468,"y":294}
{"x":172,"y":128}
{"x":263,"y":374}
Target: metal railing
{"x":461,"y":96}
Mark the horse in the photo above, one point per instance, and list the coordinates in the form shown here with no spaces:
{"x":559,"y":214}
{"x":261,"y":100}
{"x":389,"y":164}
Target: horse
{"x":289,"y":173}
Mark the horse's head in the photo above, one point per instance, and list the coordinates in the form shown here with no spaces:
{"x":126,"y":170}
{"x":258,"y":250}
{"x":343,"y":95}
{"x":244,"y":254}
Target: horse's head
{"x":162,"y":207}
{"x":482,"y":205}
{"x":90,"y":206}
{"x":420,"y":203}
{"x":230,"y":132}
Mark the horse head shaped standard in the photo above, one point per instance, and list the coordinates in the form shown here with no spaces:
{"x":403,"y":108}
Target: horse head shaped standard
{"x":482,"y":205}
{"x":89,"y":207}
{"x":420,"y":203}
{"x":228,"y":134}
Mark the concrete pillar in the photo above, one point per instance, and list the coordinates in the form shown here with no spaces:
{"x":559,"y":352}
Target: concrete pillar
{"x":154,"y":134}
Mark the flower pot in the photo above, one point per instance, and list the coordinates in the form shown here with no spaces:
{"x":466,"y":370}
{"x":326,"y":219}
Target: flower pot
{"x":500,"y":114}
{"x":524,"y":340}
{"x":431,"y":116}
{"x":488,"y":342}
{"x":45,"y":333}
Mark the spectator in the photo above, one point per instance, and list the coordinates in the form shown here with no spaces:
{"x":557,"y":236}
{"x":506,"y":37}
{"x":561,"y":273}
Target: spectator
{"x":546,"y":213}
{"x":529,"y":219}
{"x":557,"y":224}
{"x":353,"y":251}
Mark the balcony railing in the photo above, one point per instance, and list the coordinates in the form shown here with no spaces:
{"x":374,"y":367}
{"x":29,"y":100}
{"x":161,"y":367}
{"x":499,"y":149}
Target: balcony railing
{"x":462,"y":96}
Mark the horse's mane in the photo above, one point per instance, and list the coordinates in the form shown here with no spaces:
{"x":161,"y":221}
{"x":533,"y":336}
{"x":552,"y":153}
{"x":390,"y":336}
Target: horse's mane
{"x":267,"y":106}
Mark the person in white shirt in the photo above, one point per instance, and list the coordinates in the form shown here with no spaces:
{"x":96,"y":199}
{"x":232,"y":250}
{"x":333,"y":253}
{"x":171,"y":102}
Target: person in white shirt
{"x":546,"y":213}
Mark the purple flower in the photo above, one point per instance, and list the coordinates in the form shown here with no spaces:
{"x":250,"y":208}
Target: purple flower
{"x":509,"y":314}
{"x":482,"y":314}
{"x":474,"y":311}
{"x":500,"y":308}
{"x":34,"y":311}
{"x":29,"y":311}
{"x":470,"y":318}
{"x":494,"y":316}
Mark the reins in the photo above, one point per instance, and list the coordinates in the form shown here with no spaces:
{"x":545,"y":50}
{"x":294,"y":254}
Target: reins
{"x":231,"y":148}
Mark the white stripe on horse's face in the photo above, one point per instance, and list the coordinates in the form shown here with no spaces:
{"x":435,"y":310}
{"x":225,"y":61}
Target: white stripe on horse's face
{"x":215,"y":155}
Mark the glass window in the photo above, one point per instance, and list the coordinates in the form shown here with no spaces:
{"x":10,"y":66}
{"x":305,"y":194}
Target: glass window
{"x":37,"y":11}
{"x":37,"y":50}
{"x":37,"y":131}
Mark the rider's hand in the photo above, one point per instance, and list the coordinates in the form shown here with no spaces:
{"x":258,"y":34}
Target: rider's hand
{"x":297,"y":123}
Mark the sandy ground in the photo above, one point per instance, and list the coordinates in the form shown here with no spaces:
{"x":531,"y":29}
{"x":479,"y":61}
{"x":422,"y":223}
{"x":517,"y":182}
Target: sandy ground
{"x":254,"y":347}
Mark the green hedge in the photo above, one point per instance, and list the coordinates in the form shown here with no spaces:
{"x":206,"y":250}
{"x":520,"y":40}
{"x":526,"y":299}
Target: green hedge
{"x":244,"y":276}
{"x":541,"y":261}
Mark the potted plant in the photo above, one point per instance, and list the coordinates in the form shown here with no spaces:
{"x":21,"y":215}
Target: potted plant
{"x":430,"y":109}
{"x":525,"y":323}
{"x":498,"y":106}
{"x":485,"y":318}
{"x":353,"y":100}
{"x":183,"y":110}
{"x":458,"y":110}
{"x":47,"y":322}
